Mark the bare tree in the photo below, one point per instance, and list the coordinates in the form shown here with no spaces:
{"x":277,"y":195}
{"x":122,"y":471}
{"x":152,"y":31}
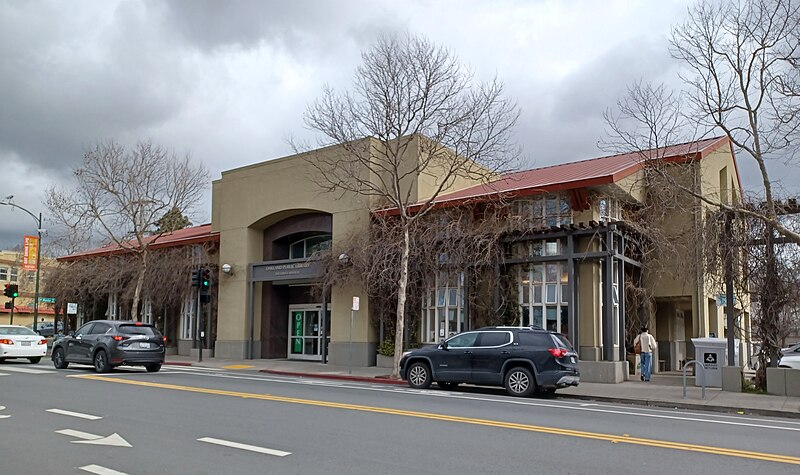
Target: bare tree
{"x":742,"y":80}
{"x":414,"y":111}
{"x":122,"y":195}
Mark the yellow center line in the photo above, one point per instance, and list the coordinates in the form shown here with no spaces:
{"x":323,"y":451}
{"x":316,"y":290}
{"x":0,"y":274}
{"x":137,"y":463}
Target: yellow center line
{"x":624,"y":439}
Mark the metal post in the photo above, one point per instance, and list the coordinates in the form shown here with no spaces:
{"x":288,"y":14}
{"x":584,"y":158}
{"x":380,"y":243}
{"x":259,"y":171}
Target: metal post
{"x":252,"y":311}
{"x":608,"y":303}
{"x":729,"y":308}
{"x":702,"y":377}
{"x":324,"y":327}
{"x":38,"y":264}
{"x":200,"y":330}
{"x":350,"y":356}
{"x":11,"y":320}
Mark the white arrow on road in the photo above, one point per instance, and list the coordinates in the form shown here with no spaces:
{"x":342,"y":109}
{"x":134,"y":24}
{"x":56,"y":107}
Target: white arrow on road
{"x":3,"y":417}
{"x":113,"y":440}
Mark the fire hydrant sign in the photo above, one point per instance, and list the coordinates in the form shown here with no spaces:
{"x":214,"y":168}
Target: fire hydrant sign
{"x":30,"y":247}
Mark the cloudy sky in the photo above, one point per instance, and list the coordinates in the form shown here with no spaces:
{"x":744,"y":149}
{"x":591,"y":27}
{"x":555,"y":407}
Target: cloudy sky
{"x":229,"y":81}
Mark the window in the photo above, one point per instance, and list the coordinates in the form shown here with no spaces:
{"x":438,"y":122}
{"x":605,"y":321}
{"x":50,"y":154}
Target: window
{"x":544,"y":296}
{"x":443,"y":307}
{"x":544,"y":210}
{"x":188,"y":316}
{"x":85,"y":330}
{"x":534,"y":339}
{"x":100,"y":328}
{"x":307,"y":247}
{"x":491,"y":339}
{"x":467,"y":340}
{"x":3,"y":273}
{"x":13,"y":275}
{"x":609,"y":209}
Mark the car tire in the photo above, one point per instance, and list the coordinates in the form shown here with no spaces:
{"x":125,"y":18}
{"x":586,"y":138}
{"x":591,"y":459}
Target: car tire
{"x":419,"y":375}
{"x":35,"y":359}
{"x":101,"y":363}
{"x":447,"y":385}
{"x":58,"y":359}
{"x":152,"y":368}
{"x":519,"y":382}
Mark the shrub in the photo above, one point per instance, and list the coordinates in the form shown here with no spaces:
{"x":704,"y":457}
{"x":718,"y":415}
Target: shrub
{"x":386,"y":348}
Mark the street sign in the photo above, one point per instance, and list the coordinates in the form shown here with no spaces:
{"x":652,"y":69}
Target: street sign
{"x":47,"y":299}
{"x":722,"y":300}
{"x":72,"y":308}
{"x":355,"y":303}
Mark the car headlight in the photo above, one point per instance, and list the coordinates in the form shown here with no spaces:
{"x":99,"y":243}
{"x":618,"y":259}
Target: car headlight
{"x":406,"y":353}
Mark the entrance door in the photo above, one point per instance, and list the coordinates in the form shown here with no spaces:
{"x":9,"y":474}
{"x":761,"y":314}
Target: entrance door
{"x":305,"y":332}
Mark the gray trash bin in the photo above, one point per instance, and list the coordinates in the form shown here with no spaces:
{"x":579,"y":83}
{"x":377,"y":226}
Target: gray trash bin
{"x":712,"y":352}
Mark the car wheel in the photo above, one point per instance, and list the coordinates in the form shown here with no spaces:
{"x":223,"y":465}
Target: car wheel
{"x":101,"y":364}
{"x":35,"y":359}
{"x":58,"y":359}
{"x":153,"y":368}
{"x":419,"y":376}
{"x":519,"y":382}
{"x":448,"y":386}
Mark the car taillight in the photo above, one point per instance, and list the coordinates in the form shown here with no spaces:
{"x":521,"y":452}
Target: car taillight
{"x":165,"y":339}
{"x":120,"y":338}
{"x":42,"y":342}
{"x":6,"y":341}
{"x":558,"y":352}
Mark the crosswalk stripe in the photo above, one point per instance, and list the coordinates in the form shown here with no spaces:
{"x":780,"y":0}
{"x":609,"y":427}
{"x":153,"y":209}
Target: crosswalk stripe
{"x":252,"y":448}
{"x":189,"y":368}
{"x":74,"y":414}
{"x":14,"y":369}
{"x":99,"y":470}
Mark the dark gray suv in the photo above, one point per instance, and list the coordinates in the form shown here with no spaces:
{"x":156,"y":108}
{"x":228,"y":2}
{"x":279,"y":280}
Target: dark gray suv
{"x":521,"y":359}
{"x":109,"y":343}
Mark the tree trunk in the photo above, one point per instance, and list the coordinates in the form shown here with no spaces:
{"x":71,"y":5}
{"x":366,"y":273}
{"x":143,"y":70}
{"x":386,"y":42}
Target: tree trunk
{"x":137,"y":292}
{"x":401,"y":302}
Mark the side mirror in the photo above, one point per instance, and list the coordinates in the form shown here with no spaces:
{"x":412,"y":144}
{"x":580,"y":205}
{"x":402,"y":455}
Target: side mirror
{"x":443,"y":345}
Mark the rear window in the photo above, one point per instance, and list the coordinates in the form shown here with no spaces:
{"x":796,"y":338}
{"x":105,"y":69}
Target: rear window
{"x":535,"y":339}
{"x":563,"y":341}
{"x":494,"y":338}
{"x":16,"y":331}
{"x":146,"y":330}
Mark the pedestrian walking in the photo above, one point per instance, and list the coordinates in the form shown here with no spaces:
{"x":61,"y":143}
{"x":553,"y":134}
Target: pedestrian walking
{"x":647,"y":343}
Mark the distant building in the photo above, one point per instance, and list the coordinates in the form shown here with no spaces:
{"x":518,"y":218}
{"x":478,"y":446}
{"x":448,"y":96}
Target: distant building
{"x":11,"y":272}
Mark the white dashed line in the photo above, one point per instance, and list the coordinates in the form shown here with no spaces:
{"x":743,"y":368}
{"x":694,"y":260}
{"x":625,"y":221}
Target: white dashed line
{"x":97,"y":469}
{"x":74,"y":414}
{"x":252,"y":448}
{"x":26,"y":370}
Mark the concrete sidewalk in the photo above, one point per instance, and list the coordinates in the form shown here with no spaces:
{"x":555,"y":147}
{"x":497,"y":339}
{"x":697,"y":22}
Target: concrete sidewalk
{"x":665,"y":390}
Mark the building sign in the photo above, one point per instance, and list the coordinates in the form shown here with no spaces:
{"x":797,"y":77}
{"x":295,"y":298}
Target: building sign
{"x":288,"y":269}
{"x":355,"y":303}
{"x":72,"y":308}
{"x":30,"y":247}
{"x":297,"y":330}
{"x":710,"y":361}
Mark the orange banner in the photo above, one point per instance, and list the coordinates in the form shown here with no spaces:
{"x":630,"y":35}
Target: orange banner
{"x":29,"y":249}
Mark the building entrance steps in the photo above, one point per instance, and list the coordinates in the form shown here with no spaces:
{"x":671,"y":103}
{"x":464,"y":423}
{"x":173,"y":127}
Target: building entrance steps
{"x":664,"y":390}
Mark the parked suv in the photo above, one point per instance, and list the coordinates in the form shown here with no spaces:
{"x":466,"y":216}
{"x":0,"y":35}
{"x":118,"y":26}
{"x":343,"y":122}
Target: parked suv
{"x":109,"y":343}
{"x":521,"y":359}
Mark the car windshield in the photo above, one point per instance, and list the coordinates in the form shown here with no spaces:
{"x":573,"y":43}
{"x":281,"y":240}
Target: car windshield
{"x":16,"y":331}
{"x":138,"y":330}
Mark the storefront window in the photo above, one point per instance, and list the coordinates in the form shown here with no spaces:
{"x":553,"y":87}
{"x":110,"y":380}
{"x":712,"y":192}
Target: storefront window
{"x":444,"y":308}
{"x":543,"y":297}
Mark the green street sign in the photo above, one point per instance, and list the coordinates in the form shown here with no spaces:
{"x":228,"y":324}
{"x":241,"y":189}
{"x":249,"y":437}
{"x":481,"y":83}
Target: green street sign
{"x":47,"y":299}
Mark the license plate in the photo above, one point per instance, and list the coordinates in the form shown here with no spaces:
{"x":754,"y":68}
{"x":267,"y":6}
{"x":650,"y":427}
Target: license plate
{"x":144,"y":344}
{"x":571,"y":359}
{"x":25,"y":343}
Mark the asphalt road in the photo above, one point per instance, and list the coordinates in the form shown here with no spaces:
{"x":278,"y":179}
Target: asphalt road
{"x":186,"y":420}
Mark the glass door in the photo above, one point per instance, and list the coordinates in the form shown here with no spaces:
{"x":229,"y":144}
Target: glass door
{"x":305,"y":338}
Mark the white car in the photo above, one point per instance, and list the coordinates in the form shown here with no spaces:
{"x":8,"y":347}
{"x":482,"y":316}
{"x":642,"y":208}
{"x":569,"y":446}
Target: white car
{"x":21,"y":342}
{"x":790,"y":357}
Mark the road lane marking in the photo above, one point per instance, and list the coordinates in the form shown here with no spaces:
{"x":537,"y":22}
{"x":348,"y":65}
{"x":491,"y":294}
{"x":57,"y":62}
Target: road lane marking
{"x":563,"y":405}
{"x":3,"y":374}
{"x":97,"y":469}
{"x":2,"y":408}
{"x":114,"y":440}
{"x":465,"y":420}
{"x":252,"y":448}
{"x":190,"y":368}
{"x":26,"y":370}
{"x":74,"y":414}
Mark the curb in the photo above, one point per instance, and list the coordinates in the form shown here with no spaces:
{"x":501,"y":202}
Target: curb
{"x":683,"y":405}
{"x":341,"y":377}
{"x":177,"y":363}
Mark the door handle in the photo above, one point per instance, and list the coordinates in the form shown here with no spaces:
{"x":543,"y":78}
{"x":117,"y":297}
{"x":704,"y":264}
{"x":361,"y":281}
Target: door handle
{"x":467,"y":352}
{"x":505,"y":352}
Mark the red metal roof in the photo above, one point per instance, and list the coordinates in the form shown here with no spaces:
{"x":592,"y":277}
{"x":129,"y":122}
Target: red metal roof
{"x":580,"y":174}
{"x":192,"y":235}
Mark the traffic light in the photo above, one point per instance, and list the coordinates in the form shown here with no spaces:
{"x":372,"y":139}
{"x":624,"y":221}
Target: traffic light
{"x":205,"y":279}
{"x":11,"y":291}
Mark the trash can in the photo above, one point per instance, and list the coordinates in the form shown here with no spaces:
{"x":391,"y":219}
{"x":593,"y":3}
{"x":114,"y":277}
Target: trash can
{"x":712,"y":352}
